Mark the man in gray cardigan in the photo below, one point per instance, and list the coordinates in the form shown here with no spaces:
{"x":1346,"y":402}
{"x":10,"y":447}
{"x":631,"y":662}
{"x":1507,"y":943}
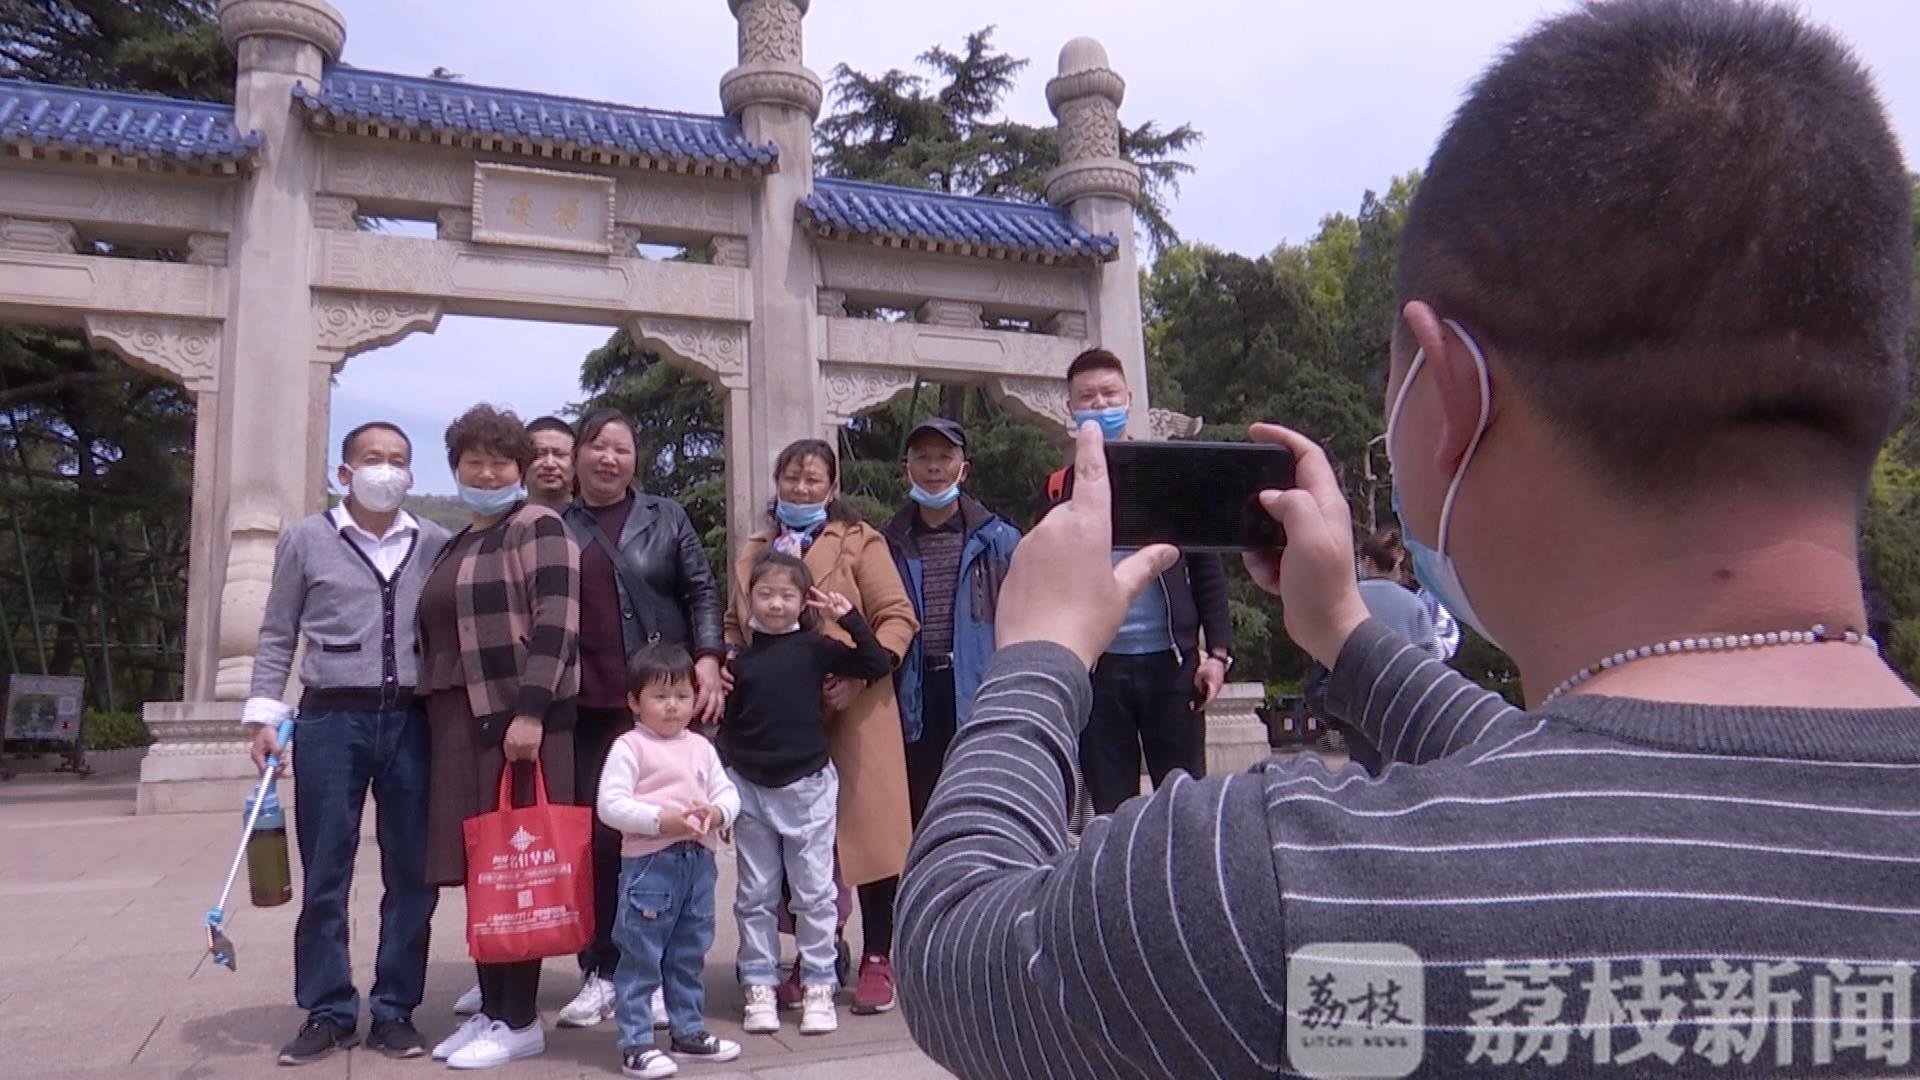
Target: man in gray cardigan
{"x":346,"y":584}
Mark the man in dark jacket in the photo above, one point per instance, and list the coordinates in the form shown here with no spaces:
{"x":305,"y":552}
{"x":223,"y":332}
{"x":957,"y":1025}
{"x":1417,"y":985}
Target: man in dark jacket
{"x":1173,"y":651}
{"x":952,"y":554}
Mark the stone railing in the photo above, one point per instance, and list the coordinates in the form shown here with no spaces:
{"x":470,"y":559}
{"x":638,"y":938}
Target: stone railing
{"x":1236,"y":736}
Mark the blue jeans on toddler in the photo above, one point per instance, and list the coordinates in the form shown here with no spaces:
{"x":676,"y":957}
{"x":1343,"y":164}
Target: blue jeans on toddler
{"x":663,"y":930}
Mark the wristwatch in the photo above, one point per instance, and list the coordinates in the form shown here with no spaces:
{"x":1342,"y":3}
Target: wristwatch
{"x":1225,"y":658}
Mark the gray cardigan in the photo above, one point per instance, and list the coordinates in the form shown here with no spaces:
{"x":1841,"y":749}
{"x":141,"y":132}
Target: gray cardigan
{"x":360,"y":636}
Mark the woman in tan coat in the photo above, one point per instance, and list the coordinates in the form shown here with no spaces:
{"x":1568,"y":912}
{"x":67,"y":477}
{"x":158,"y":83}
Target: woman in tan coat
{"x":811,"y":521}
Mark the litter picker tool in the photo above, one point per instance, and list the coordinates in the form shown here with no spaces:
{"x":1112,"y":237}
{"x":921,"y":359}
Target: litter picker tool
{"x":218,"y":944}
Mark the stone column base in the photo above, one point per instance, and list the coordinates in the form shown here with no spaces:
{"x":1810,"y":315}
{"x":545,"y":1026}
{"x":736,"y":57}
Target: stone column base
{"x":198,"y":761}
{"x":1236,"y":737}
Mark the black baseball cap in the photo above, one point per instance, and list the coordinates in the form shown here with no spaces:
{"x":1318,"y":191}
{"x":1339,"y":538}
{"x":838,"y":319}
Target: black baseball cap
{"x":949,"y":430}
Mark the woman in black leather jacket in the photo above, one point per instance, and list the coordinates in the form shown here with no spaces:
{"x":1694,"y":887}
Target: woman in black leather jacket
{"x":643,"y":577}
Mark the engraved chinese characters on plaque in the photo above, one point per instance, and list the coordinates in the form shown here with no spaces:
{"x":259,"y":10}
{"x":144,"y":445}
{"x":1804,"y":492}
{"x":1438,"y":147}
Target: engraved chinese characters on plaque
{"x":542,"y":208}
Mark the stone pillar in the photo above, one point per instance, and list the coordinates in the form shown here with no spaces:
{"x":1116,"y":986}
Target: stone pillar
{"x":776,"y":100}
{"x":1236,"y":737}
{"x":1100,"y":189}
{"x":260,"y":438}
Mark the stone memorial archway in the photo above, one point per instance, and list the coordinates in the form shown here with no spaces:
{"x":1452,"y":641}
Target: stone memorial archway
{"x":539,"y":204}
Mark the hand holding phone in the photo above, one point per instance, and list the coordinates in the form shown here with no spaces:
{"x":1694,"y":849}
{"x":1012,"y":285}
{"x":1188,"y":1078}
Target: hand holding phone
{"x":1197,"y":496}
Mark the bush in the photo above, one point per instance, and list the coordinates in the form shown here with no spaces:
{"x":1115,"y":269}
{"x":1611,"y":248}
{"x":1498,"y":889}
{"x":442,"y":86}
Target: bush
{"x":113,"y":731}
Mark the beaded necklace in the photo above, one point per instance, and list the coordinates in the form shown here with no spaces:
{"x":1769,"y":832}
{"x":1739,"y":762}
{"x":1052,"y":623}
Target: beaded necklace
{"x":1713,"y":643}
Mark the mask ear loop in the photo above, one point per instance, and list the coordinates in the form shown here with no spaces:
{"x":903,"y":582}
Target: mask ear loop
{"x":1479,"y":431}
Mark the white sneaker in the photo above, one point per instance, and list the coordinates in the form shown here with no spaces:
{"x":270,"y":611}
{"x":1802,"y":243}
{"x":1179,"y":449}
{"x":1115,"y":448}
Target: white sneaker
{"x":648,"y":1064}
{"x":660,"y":1017}
{"x":468,"y":1003}
{"x":763,"y":1017}
{"x":818,"y":1016}
{"x":499,"y":1044}
{"x":462,"y":1035}
{"x":593,"y":1004}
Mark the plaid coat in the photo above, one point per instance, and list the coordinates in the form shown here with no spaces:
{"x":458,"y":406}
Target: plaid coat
{"x":518,"y":597}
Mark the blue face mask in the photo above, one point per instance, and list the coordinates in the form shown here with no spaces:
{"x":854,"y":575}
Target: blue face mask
{"x":491,"y":502}
{"x":800,"y":515}
{"x":1432,"y":566}
{"x":1112,"y":420}
{"x":935,"y":500}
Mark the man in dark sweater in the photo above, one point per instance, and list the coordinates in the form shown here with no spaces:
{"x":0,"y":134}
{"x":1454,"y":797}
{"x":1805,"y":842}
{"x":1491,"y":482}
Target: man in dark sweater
{"x":1153,"y":684}
{"x":1633,"y":415}
{"x":346,"y":584}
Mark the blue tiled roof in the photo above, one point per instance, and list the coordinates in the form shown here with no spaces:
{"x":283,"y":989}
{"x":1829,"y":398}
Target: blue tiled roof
{"x":444,"y":106}
{"x":859,"y":209}
{"x":127,"y":125}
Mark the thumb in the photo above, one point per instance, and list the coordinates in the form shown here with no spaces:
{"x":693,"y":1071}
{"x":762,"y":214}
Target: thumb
{"x":1138,"y":570}
{"x":1297,"y":511}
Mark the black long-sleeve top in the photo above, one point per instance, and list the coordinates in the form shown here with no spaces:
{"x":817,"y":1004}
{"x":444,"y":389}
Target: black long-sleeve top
{"x":776,"y":729}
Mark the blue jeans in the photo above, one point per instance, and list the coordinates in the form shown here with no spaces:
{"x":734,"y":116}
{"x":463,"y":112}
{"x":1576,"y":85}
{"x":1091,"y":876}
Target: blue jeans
{"x":664,"y":929}
{"x":337,"y":756}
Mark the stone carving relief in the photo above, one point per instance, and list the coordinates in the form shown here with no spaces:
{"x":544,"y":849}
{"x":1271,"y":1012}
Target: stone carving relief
{"x":830,"y":302}
{"x":727,"y":251}
{"x":550,"y":209}
{"x":21,"y":234}
{"x":968,"y":352}
{"x":1089,"y":129}
{"x":1067,"y":324}
{"x":316,"y":24}
{"x":952,"y":313}
{"x":1040,"y":401}
{"x":378,"y":172}
{"x":116,"y":198}
{"x":93,"y":283}
{"x":1167,"y":424}
{"x":717,"y":349}
{"x":249,"y":574}
{"x":847,"y":391}
{"x":1001,"y":287}
{"x":769,"y":31}
{"x":674,"y":204}
{"x":335,"y":212}
{"x":453,"y":225}
{"x":207,"y":249}
{"x":1119,"y":179}
{"x":185,"y":350}
{"x":355,"y":323}
{"x":755,"y":84}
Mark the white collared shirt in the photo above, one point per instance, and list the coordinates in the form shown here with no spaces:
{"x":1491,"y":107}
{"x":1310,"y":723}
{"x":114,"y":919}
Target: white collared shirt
{"x":384,"y":551}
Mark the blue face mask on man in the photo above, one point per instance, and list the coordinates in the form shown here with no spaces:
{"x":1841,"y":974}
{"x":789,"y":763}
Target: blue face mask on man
{"x":1112,"y":420}
{"x":800,"y":515}
{"x":491,"y":502}
{"x":1432,"y":566}
{"x":933,"y":500}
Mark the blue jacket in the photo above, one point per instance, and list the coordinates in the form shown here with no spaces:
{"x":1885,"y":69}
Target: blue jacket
{"x":983,"y":566}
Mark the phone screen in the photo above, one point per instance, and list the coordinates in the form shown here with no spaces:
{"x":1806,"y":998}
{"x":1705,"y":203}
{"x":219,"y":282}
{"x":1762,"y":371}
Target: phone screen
{"x":1199,"y":496}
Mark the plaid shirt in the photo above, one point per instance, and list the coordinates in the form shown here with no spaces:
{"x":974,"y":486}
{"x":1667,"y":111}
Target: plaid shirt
{"x":518,"y":598}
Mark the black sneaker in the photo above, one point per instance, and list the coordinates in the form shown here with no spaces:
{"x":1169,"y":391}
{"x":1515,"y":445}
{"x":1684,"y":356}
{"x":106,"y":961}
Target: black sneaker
{"x":706,"y":1047}
{"x":316,"y":1040}
{"x":396,"y":1039}
{"x":648,"y":1064}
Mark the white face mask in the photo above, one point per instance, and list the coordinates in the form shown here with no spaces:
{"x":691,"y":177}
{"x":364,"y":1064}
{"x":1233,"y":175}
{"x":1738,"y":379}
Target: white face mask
{"x":380,"y":488}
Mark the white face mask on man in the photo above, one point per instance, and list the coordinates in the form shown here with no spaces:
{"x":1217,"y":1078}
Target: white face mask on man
{"x":380,"y":488}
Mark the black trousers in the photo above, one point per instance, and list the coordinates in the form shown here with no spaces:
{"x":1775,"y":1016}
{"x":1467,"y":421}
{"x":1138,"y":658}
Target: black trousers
{"x":926,"y":756}
{"x":594,"y":733}
{"x":1140,"y":704}
{"x":510,"y":992}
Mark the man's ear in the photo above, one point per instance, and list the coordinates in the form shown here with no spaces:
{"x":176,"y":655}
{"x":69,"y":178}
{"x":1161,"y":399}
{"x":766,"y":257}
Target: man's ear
{"x":345,"y":476}
{"x":1464,"y":386}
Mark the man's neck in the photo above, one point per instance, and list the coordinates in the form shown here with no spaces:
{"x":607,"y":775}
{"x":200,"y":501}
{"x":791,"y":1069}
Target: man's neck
{"x":1623,"y":581}
{"x":934,"y":517}
{"x":374,"y":524}
{"x":551,"y":500}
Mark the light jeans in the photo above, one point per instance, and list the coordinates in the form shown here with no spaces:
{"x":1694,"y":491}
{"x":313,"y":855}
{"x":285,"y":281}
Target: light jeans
{"x":786,"y":830}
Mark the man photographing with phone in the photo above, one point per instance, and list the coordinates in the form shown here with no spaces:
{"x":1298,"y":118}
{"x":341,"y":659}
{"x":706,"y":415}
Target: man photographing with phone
{"x":1151,"y":688}
{"x":1632,"y":416}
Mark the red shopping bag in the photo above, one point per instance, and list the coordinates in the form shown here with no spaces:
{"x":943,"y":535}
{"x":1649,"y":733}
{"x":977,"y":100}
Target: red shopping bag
{"x":529,"y":877}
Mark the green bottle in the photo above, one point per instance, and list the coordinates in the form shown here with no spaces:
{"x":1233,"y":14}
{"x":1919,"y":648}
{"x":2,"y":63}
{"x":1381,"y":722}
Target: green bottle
{"x":269,"y":874}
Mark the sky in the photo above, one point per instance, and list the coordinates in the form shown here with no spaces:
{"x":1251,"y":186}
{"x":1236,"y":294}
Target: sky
{"x":1304,"y":104}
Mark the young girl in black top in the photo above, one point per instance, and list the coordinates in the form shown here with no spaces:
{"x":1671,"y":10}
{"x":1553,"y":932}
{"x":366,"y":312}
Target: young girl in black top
{"x":775,"y":740}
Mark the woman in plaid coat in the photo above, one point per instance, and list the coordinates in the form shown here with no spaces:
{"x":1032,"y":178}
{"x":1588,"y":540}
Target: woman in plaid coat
{"x":499,"y":629}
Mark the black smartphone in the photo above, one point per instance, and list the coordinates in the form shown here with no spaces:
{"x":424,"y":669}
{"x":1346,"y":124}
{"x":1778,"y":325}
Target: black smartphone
{"x":1198,"y":496}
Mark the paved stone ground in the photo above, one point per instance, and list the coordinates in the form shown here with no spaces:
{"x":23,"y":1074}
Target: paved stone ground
{"x":102,"y":973}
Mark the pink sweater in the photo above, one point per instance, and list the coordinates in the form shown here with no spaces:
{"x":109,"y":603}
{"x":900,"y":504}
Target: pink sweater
{"x":647,"y":774}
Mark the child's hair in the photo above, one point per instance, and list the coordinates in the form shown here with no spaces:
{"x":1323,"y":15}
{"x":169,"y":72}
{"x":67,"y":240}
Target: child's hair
{"x":660,"y":662}
{"x":777,"y":562}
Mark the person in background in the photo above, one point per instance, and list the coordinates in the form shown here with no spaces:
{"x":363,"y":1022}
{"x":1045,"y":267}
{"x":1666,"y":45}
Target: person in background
{"x":775,"y":737}
{"x":666,"y":793}
{"x":550,"y":480}
{"x":499,"y":638}
{"x":346,"y":583}
{"x":1151,"y":689}
{"x":1384,"y":589}
{"x":952,"y":554}
{"x":811,"y":521}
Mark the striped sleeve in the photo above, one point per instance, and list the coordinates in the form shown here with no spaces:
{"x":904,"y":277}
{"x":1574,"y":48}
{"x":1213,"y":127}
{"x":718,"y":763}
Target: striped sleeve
{"x":552,"y":559}
{"x":1018,"y":957}
{"x":1412,"y":707}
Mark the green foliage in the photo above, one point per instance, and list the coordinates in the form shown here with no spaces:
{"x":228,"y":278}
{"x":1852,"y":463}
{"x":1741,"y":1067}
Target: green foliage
{"x":168,"y":47}
{"x":102,"y":731}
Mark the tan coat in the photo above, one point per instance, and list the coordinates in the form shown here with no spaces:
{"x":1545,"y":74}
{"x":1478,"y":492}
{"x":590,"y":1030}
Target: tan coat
{"x":865,"y":741}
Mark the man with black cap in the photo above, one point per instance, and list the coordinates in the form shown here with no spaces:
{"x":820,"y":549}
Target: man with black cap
{"x":952,"y":554}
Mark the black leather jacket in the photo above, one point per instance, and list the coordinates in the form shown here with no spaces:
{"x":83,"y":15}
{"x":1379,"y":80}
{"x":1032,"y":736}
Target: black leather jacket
{"x":667,"y":590}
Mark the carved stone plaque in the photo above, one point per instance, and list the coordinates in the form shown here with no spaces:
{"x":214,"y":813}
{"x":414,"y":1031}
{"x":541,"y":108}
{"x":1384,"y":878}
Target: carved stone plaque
{"x":542,"y":208}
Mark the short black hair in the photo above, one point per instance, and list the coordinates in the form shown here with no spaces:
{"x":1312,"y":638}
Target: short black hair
{"x":488,"y":428}
{"x":658,"y":662}
{"x":592,"y":424}
{"x":550,"y":423}
{"x":838,"y":508}
{"x":779,"y":562}
{"x":1683,"y":226}
{"x":346,"y":444}
{"x":1095,"y":359}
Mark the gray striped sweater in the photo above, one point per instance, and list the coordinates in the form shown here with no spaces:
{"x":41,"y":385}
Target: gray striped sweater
{"x":1601,"y":887}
